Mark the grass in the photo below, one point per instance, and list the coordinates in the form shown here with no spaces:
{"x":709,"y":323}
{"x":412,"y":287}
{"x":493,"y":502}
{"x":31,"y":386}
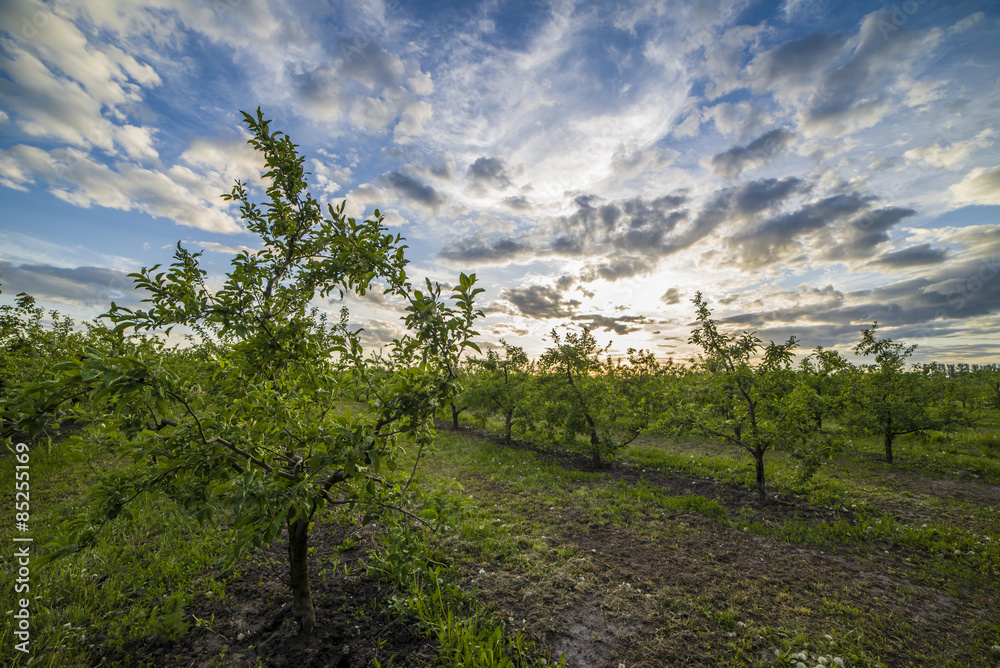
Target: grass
{"x":143,"y":569}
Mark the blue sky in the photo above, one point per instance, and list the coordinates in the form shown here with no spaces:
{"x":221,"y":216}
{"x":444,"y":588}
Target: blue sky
{"x":809,"y":166}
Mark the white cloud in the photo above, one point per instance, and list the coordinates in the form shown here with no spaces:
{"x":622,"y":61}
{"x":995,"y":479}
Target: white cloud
{"x":411,"y":124}
{"x":980,"y":186}
{"x":950,"y":157}
{"x":689,"y":127}
{"x":70,"y":89}
{"x":741,"y":119}
{"x":229,"y":158}
{"x":216,"y":247}
{"x":966,"y":23}
{"x":137,"y":142}
{"x":371,"y":114}
{"x":178,"y":193}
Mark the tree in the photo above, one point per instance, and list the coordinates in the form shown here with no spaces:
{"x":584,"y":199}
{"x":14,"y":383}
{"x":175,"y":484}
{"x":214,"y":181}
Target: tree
{"x":457,"y":405}
{"x":266,"y":441}
{"x":583,"y":397}
{"x":500,"y":385}
{"x":824,"y":372}
{"x":889,"y":402}
{"x":989,"y":378}
{"x":28,"y":349}
{"x":750,"y":403}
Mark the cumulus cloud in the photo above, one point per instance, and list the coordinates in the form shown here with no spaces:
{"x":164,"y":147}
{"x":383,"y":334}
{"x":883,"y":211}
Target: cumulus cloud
{"x":411,"y":190}
{"x":638,"y":228}
{"x":70,"y":90}
{"x":730,"y":164}
{"x":178,"y":193}
{"x":616,"y":268}
{"x":490,"y":172}
{"x":540,"y":302}
{"x":619,"y":324}
{"x":952,"y":156}
{"x":860,"y":237}
{"x":852,"y":95}
{"x":960,"y":287}
{"x":779,"y":237}
{"x":741,"y":119}
{"x":413,"y":116}
{"x":837,"y":83}
{"x":791,"y":64}
{"x":474,"y":249}
{"x":671,"y":297}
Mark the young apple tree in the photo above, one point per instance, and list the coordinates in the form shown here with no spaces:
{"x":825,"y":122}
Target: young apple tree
{"x":500,"y":385}
{"x":584,"y":395}
{"x":825,"y":372}
{"x":887,"y":401}
{"x":749,"y":402}
{"x":257,"y":434}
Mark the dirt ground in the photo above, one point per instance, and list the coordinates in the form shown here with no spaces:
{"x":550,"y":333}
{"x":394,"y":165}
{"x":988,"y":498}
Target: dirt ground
{"x":658,"y":589}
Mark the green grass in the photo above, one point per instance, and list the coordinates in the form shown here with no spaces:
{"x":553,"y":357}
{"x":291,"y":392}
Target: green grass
{"x":138,"y":569}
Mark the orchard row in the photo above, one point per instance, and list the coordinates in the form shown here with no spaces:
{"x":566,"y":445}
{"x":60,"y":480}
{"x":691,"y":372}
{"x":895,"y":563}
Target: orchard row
{"x":739,"y":391}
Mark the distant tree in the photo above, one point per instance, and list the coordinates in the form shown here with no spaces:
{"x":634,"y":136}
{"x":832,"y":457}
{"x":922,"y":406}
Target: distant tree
{"x":749,"y":399}
{"x":500,"y":385}
{"x":28,"y":349}
{"x":826,"y":372}
{"x":458,"y":403}
{"x":636,"y":381}
{"x":989,"y":380}
{"x":887,"y":401}
{"x":583,"y":397}
{"x":266,"y":441}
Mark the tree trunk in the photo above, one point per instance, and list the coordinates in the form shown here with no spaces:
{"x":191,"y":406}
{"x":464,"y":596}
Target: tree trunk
{"x":595,"y":447}
{"x":758,"y":459}
{"x":595,"y":458}
{"x":298,"y":552}
{"x":454,"y":417}
{"x":508,"y":418}
{"x":888,"y":447}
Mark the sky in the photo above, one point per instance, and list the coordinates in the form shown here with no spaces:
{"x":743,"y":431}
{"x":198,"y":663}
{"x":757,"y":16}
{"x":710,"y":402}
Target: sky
{"x":809,"y":166}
